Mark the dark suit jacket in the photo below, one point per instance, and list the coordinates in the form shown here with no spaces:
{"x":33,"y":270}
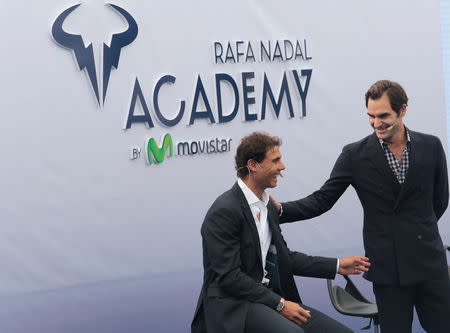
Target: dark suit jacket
{"x":233,"y":267}
{"x":401,"y":236}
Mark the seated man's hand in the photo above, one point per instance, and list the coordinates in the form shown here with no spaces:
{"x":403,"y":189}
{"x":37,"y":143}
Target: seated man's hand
{"x":295,"y":313}
{"x":353,"y":265}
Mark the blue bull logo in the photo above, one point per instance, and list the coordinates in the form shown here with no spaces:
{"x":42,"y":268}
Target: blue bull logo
{"x":85,"y":55}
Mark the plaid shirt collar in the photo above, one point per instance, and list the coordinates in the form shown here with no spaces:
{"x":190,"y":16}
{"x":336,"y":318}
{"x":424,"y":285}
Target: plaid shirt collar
{"x":399,"y":169}
{"x":408,"y":140}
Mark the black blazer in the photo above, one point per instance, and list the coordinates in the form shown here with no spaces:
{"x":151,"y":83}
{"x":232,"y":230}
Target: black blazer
{"x":401,"y":236}
{"x":233,"y":267}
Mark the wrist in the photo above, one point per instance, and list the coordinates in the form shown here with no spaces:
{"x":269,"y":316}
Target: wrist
{"x":280,"y":305}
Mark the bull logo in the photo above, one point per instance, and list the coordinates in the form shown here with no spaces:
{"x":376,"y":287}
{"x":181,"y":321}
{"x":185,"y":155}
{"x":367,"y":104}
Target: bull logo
{"x":85,"y":55}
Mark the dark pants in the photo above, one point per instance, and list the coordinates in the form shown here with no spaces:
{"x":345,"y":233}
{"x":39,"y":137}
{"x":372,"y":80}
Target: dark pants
{"x":262,"y":319}
{"x":430,"y":298}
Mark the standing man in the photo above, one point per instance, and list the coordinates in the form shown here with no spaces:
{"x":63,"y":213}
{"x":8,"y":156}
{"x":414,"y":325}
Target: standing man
{"x":248,"y":281}
{"x":400,"y":177}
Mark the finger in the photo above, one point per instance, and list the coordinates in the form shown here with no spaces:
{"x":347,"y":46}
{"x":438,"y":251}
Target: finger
{"x":361,"y":268}
{"x":304,"y":313}
{"x":364,"y":264}
{"x":353,"y":272}
{"x":359,"y":259}
{"x":350,"y":271}
{"x":300,"y":319}
{"x":364,"y":261}
{"x":361,"y":263}
{"x":296,"y":318}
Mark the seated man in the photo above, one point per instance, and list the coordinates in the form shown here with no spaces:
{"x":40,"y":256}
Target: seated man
{"x":248,"y":269}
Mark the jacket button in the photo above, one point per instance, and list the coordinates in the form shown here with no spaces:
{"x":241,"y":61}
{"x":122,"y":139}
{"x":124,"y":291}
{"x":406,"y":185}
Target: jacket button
{"x":419,"y":237}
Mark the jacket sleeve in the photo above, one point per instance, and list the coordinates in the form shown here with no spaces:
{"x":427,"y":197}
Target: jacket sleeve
{"x":322,"y":200}
{"x":313,"y":266}
{"x":221,"y":236}
{"x":310,"y":266}
{"x":440,"y":195}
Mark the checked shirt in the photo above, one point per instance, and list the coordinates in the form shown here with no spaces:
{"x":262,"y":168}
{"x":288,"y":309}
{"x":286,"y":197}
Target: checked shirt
{"x":399,"y":169}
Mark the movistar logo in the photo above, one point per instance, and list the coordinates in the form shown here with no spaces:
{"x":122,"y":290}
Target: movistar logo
{"x":85,"y":55}
{"x":157,"y":154}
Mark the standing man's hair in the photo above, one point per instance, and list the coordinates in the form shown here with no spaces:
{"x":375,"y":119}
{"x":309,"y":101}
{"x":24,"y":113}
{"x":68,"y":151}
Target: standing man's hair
{"x":395,"y":92}
{"x":253,"y":147}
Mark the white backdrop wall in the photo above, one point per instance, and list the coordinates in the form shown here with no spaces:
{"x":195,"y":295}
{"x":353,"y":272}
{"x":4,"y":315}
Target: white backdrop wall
{"x":75,"y":209}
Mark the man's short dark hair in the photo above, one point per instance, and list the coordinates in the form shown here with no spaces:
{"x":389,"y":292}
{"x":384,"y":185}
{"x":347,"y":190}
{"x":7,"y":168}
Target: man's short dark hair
{"x":253,"y":147}
{"x":395,"y":92}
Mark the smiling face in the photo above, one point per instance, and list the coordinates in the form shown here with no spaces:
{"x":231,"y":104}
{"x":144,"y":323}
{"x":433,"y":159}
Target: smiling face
{"x":265,"y":174}
{"x":387,"y":123}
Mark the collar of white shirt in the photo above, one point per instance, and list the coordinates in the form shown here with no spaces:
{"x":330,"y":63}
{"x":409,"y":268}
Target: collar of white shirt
{"x":250,"y":196}
{"x":259,"y":212}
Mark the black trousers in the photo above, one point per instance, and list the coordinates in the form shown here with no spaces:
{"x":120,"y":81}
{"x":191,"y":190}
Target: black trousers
{"x":430,"y":298}
{"x":262,"y":319}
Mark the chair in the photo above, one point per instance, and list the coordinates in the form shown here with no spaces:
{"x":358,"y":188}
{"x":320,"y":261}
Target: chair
{"x":351,"y":302}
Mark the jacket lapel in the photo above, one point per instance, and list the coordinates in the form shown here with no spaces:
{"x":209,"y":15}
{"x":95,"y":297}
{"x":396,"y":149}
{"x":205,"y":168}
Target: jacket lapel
{"x":377,"y":157}
{"x":248,"y":218}
{"x":413,"y":168}
{"x":287,"y":283}
{"x":276,"y":236}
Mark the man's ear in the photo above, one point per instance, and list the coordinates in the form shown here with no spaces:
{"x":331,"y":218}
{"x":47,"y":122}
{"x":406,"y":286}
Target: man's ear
{"x":251,"y":165}
{"x":403,"y":110}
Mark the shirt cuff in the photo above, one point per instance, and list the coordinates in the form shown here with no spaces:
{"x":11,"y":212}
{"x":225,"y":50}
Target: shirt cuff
{"x":337,"y":266}
{"x":281,"y":210}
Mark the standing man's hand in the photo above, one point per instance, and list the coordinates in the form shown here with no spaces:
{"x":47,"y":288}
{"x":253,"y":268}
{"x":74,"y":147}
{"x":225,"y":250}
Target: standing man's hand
{"x":276,"y":203}
{"x":295,"y":313}
{"x":353,"y":265}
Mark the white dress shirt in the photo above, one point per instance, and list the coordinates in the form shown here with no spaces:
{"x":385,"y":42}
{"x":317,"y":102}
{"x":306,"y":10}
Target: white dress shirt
{"x":258,"y":208}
